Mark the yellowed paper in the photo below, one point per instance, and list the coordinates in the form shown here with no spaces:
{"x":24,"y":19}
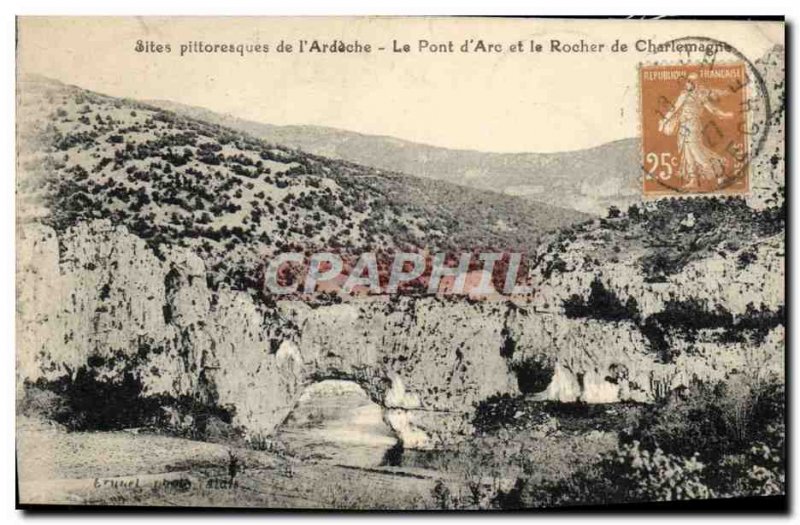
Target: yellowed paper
{"x":399,"y":263}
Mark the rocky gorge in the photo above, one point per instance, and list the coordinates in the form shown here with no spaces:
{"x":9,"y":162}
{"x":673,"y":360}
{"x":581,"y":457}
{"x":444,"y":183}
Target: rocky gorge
{"x":99,"y":294}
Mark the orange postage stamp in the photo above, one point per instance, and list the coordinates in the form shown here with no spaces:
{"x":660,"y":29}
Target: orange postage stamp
{"x":694,"y":129}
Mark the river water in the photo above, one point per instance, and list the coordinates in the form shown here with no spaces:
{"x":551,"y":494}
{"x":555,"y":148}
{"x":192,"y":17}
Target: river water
{"x":336,"y":422}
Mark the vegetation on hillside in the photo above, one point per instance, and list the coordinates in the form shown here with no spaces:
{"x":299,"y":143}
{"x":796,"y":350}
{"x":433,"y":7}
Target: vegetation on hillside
{"x":661,"y":238}
{"x":234,"y":199}
{"x":712,"y":441}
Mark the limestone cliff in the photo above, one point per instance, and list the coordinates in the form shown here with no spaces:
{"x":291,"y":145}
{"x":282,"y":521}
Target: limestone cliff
{"x":98,"y":290}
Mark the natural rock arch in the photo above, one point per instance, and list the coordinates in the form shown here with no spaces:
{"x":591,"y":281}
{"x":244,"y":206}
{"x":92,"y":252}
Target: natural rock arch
{"x":415,"y":424}
{"x":97,"y":290}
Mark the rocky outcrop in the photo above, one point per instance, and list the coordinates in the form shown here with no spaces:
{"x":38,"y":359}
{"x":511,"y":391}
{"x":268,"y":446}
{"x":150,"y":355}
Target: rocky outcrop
{"x":98,"y":291}
{"x":719,"y":280}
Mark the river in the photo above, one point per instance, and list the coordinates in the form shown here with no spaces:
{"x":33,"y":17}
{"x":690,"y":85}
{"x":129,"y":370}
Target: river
{"x":336,"y":422}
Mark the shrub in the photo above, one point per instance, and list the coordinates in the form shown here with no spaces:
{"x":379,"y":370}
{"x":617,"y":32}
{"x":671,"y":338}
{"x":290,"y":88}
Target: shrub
{"x":503,"y":410}
{"x":88,"y":400}
{"x":602,"y":304}
{"x":720,"y":440}
{"x":442,"y":496}
{"x":533,"y":373}
{"x":686,"y":423}
{"x":628,"y":475}
{"x":711,"y":420}
{"x":760,"y":470}
{"x":693,"y":314}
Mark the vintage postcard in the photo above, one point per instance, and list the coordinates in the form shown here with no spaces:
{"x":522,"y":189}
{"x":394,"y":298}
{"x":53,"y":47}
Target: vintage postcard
{"x":400,"y":263}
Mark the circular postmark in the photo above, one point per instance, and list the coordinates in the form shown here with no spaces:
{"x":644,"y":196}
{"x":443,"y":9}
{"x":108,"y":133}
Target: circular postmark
{"x":705,"y":114}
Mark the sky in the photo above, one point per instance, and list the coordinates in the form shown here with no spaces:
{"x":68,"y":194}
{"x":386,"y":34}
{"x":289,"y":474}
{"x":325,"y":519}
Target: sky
{"x":501,"y":102}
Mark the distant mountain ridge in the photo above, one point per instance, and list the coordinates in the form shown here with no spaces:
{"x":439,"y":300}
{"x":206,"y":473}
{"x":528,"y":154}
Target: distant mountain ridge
{"x":589,"y":180}
{"x":235,"y":199}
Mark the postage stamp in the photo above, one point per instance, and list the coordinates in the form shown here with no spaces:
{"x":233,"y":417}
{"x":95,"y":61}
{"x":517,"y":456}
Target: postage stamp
{"x":694,"y":128}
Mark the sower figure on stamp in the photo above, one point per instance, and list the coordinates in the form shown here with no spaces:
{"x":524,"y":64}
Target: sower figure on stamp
{"x":685,"y":117}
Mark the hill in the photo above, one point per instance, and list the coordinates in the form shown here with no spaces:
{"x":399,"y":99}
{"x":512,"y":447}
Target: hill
{"x":235,"y":199}
{"x":589,"y":180}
